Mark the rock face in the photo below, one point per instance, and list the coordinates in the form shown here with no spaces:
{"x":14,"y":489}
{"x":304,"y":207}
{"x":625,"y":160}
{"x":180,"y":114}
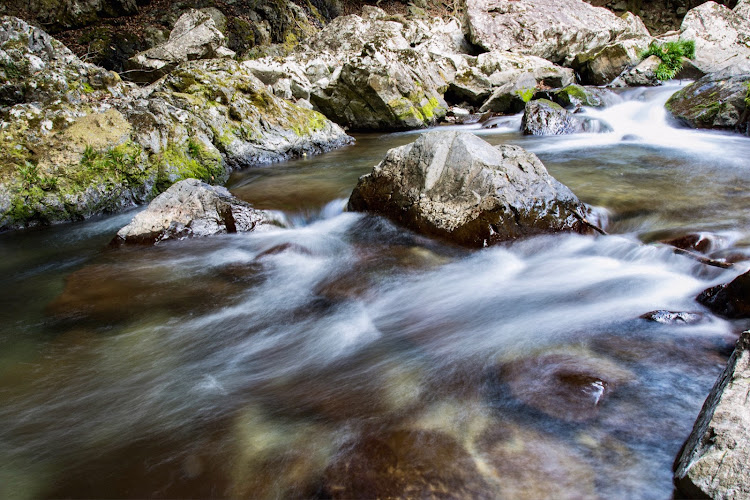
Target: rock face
{"x":601,"y":65}
{"x":642,"y":75}
{"x":553,"y":30}
{"x":456,"y":186}
{"x":731,"y":300}
{"x":721,"y":36}
{"x":713,"y":462}
{"x":191,"y":208}
{"x":195,"y":36}
{"x":575,"y":96}
{"x":56,"y":15}
{"x":543,"y":117}
{"x":719,"y":100}
{"x":76,"y":141}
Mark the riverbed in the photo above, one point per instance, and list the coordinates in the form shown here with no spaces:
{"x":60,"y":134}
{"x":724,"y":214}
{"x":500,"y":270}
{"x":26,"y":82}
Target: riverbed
{"x":345,"y":357}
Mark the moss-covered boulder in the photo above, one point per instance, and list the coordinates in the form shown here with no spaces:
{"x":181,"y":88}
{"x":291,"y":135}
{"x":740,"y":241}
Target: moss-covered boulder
{"x":716,"y":101}
{"x":575,"y":96}
{"x":76,"y":141}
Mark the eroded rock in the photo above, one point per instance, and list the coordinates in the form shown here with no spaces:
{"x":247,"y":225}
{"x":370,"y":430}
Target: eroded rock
{"x":713,"y":461}
{"x":731,"y":300}
{"x":191,"y":208}
{"x":543,"y":117}
{"x":456,"y":186}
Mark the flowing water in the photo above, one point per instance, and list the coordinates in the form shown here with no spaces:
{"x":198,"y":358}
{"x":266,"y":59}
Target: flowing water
{"x":346,"y":357}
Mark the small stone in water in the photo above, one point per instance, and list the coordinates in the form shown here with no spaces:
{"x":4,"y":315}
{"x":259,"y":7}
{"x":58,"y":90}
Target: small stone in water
{"x":673,"y":318}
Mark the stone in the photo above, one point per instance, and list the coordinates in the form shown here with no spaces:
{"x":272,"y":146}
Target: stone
{"x":601,"y":65}
{"x":455,"y":186}
{"x":731,"y":300}
{"x":58,"y":15}
{"x":194,"y":36}
{"x":191,"y":208}
{"x":713,"y":461}
{"x":642,"y":75}
{"x":722,"y":37}
{"x":543,"y":117}
{"x":576,"y":96}
{"x":673,"y":317}
{"x":553,"y":30}
{"x":716,"y":101}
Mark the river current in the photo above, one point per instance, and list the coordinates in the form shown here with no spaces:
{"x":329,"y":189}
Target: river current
{"x":343,"y":356}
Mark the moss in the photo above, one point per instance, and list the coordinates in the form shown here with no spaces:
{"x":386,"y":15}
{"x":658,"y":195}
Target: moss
{"x":429,"y":109}
{"x":189,"y":160}
{"x":747,"y":94}
{"x":87,"y":88}
{"x":526,"y":94}
{"x":307,"y":121}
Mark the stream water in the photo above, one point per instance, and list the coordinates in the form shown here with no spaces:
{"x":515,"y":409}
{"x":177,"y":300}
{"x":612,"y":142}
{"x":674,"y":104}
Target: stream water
{"x":346,"y":357}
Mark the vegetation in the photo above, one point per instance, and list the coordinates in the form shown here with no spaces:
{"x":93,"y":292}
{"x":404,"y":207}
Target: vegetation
{"x":671,"y":54}
{"x":526,"y":94}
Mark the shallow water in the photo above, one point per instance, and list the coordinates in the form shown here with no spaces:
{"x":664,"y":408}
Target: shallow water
{"x":346,"y":357}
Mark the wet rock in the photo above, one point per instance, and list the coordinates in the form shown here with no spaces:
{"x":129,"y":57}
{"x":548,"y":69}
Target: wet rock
{"x":642,"y":75}
{"x":195,"y":36}
{"x":566,"y":386}
{"x":404,"y":463}
{"x":721,"y":37}
{"x":713,"y":461}
{"x":673,"y":318}
{"x":603,"y":64}
{"x":575,"y":96}
{"x":731,"y":300}
{"x":699,"y":242}
{"x":716,"y":101}
{"x":455,"y":186}
{"x":553,"y":30}
{"x":543,"y":117}
{"x":191,"y":208}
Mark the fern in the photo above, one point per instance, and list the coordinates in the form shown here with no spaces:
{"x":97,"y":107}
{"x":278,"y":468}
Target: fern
{"x":671,"y":54}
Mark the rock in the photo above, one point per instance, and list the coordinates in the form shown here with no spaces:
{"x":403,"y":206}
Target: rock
{"x":698,"y":242}
{"x":553,"y":30}
{"x":191,"y":208}
{"x":722,"y":37}
{"x":512,"y":96}
{"x":642,"y":75}
{"x":567,"y":386}
{"x":455,"y":186}
{"x":713,"y":461}
{"x":76,"y":141}
{"x":543,"y":117}
{"x":731,"y":300}
{"x":195,"y":36}
{"x":57,"y":15}
{"x":601,"y":65}
{"x":673,"y":318}
{"x":575,"y":96}
{"x":717,"y":101}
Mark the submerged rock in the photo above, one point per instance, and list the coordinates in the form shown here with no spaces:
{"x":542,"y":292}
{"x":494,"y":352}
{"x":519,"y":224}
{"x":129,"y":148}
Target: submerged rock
{"x":195,"y":36}
{"x":553,"y":30}
{"x":718,"y":100}
{"x":731,"y":300}
{"x":191,"y":208}
{"x":456,"y":186}
{"x":713,"y":461}
{"x":543,"y":117}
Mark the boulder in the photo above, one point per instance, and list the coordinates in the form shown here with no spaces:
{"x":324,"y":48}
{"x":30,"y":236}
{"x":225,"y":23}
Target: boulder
{"x":575,"y":96}
{"x":731,"y":300}
{"x":601,"y":65}
{"x":455,"y":186}
{"x":713,"y":461}
{"x":194,"y":36}
{"x":642,"y":75}
{"x":553,"y":30}
{"x":716,"y":101}
{"x":77,"y":141}
{"x":58,"y":15}
{"x":722,"y":37}
{"x":673,"y":317}
{"x":543,"y":117}
{"x":191,"y":208}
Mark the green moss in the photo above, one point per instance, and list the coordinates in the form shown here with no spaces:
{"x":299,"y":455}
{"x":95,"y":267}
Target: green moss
{"x":747,"y":94}
{"x":671,"y":54}
{"x":307,"y":121}
{"x":189,"y":160}
{"x":526,"y":94}
{"x":429,"y":109}
{"x":87,"y":88}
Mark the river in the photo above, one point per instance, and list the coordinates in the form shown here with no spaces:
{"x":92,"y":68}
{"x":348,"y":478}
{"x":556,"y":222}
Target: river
{"x":346,"y":357}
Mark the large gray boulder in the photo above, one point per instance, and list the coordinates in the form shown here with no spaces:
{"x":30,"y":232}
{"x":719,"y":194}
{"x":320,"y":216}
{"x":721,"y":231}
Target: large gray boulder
{"x":556,"y":30}
{"x":194,"y":36}
{"x":191,"y":208}
{"x":722,"y":36}
{"x":601,"y":65}
{"x":716,"y":101}
{"x":544,"y":117}
{"x":456,"y":186}
{"x":713,"y":463}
